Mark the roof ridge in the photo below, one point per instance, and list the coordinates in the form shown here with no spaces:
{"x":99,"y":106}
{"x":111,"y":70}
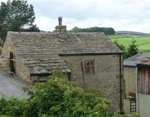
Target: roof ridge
{"x":12,"y":32}
{"x":142,"y":54}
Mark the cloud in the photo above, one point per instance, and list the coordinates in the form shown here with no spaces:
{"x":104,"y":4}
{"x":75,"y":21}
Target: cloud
{"x":120,"y":14}
{"x":48,"y":24}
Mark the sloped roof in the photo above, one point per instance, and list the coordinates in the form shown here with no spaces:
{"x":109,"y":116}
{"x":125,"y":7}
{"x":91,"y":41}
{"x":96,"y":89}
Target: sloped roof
{"x":131,"y":61}
{"x":144,"y":61}
{"x":40,"y":51}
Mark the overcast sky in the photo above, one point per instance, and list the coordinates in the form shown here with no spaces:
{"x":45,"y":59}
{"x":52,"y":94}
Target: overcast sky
{"x":132,"y":15}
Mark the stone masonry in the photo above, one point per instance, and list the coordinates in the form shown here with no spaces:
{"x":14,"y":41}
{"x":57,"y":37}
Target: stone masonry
{"x":37,"y":53}
{"x":20,"y":69}
{"x":60,"y":28}
{"x":106,"y":76}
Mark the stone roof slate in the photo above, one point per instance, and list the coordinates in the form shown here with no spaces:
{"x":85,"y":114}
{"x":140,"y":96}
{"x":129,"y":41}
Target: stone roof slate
{"x":144,"y":61}
{"x":40,"y":51}
{"x":131,"y":61}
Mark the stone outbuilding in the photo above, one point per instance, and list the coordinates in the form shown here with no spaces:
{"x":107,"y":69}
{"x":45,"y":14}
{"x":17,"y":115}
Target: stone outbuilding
{"x":130,"y":72}
{"x":143,"y":87}
{"x":89,"y":56}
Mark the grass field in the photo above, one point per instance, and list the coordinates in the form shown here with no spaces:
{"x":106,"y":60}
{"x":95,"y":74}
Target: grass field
{"x":143,"y":42}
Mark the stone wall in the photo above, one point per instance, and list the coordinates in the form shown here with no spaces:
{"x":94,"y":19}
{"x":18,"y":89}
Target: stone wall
{"x":3,"y":62}
{"x":106,"y":76}
{"x":61,"y":29}
{"x":21,"y":71}
{"x":129,"y":76}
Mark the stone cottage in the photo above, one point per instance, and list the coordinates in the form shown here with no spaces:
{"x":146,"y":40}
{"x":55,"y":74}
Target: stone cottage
{"x":32,"y":55}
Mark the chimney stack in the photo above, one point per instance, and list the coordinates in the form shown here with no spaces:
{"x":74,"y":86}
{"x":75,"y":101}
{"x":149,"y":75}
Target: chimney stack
{"x":60,"y":28}
{"x":60,"y":21}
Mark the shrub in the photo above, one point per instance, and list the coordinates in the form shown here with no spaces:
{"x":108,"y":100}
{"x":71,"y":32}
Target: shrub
{"x":15,"y":106}
{"x":58,"y":98}
{"x":3,"y":104}
{"x":12,"y":106}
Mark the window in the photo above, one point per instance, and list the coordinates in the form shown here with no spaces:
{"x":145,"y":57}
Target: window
{"x":89,"y":66}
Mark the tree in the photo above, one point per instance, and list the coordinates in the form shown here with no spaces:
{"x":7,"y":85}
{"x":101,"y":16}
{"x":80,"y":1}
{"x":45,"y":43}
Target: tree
{"x":123,"y":48}
{"x":17,"y":15}
{"x":133,"y":49}
{"x":107,"y":31}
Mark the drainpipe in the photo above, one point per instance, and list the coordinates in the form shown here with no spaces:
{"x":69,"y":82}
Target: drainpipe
{"x":70,"y":76}
{"x":83,"y":75}
{"x":121,"y":98}
{"x":136,"y":84}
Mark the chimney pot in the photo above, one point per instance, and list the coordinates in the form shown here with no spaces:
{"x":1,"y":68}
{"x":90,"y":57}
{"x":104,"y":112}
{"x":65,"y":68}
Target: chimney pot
{"x":60,"y":28}
{"x":60,"y":21}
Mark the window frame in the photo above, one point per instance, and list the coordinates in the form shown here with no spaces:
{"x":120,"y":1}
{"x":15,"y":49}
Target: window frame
{"x":93,"y":61}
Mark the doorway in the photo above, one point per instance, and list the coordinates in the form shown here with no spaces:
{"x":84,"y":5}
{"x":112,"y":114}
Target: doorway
{"x":11,"y":63}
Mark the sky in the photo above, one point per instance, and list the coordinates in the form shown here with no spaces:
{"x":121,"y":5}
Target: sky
{"x":131,"y":15}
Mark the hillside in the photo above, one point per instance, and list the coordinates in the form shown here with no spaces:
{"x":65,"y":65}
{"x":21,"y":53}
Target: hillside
{"x":142,"y":41}
{"x":132,"y":32}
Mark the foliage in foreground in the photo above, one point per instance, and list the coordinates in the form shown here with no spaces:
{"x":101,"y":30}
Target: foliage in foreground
{"x":5,"y":115}
{"x":12,"y":106}
{"x":56,"y":98}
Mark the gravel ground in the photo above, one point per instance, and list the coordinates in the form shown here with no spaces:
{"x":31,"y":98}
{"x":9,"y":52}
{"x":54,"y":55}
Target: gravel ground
{"x":11,"y":85}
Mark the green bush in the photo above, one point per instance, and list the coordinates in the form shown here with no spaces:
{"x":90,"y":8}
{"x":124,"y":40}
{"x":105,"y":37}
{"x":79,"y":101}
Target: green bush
{"x":3,"y":104}
{"x":12,"y":106}
{"x":57,"y":98}
{"x":15,"y":106}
